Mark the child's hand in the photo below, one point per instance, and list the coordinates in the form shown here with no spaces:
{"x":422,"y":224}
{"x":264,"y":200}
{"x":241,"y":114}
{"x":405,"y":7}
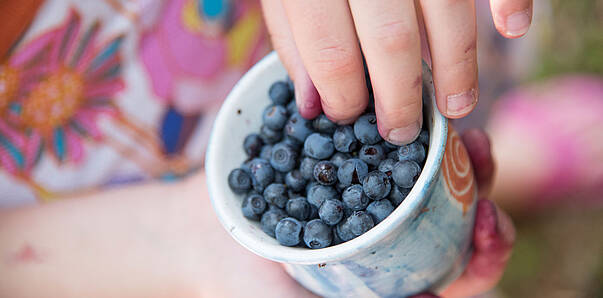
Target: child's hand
{"x":320,"y":44}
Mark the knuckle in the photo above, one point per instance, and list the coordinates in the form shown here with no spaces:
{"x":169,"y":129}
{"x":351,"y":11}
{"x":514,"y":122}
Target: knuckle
{"x":395,"y":37}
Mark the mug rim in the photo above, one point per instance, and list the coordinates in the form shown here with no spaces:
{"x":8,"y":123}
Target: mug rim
{"x":305,"y":256}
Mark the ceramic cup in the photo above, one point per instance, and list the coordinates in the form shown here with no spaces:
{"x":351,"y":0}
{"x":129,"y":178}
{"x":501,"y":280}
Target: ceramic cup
{"x":422,"y":246}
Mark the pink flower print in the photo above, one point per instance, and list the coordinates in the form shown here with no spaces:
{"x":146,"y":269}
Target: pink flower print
{"x":79,"y":81}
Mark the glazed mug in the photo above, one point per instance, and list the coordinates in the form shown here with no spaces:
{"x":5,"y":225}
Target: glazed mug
{"x":423,"y":245}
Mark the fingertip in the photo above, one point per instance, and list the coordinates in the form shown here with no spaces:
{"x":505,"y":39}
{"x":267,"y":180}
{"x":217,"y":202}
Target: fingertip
{"x":402,"y":135}
{"x":485,"y":225}
{"x":517,"y":24}
{"x":512,"y":18}
{"x":494,"y":229}
{"x":307,"y":98}
{"x":459,"y":105}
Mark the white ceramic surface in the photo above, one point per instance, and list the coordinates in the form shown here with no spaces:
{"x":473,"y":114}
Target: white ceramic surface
{"x":423,"y":245}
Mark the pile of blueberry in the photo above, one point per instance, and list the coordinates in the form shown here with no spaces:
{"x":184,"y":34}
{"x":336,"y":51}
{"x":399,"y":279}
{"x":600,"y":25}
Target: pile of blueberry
{"x":315,"y":183}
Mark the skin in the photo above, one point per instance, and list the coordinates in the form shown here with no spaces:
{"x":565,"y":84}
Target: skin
{"x":163,"y":240}
{"x":320,"y":44}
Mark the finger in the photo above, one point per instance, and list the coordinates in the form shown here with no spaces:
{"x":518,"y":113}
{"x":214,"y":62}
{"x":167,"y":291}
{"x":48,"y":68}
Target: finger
{"x":326,"y":40}
{"x":493,"y":239}
{"x":512,"y":18}
{"x":478,"y":146}
{"x":389,"y":35}
{"x":451,"y":32}
{"x":306,"y":96}
{"x":425,"y":54}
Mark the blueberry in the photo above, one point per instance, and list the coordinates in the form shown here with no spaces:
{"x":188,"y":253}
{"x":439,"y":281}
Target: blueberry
{"x":253,"y":192}
{"x":336,"y":239}
{"x":245,"y":166}
{"x":279,"y":177}
{"x":275,"y":117}
{"x":325,"y":173}
{"x":266,"y":152}
{"x":299,"y":208}
{"x":317,"y":234}
{"x":295,"y":144}
{"x":292,"y":107}
{"x":253,"y":206}
{"x":306,"y":167}
{"x":376,"y":185}
{"x":318,"y":193}
{"x":270,"y":136}
{"x":276,"y":194}
{"x":288,"y":231}
{"x":283,"y":157}
{"x":275,"y":208}
{"x":253,"y":145}
{"x":270,"y":219}
{"x":354,"y":198}
{"x":239,"y":181}
{"x":360,"y":222}
{"x":313,"y":211}
{"x":424,"y":137}
{"x":398,"y":194}
{"x":365,"y":129}
{"x":379,"y":210}
{"x":387,"y":166}
{"x":319,"y":146}
{"x":331,"y":211}
{"x":406,"y":173}
{"x":413,"y":151}
{"x":298,"y":127}
{"x":371,"y":154}
{"x":279,"y":93}
{"x":295,"y":181}
{"x":352,"y":171}
{"x":292,"y":194}
{"x":348,"y":211}
{"x":262,"y":173}
{"x":322,"y":124}
{"x":344,"y":139}
{"x":393,"y":155}
{"x":388,"y":146}
{"x":354,"y":225}
{"x":340,"y":187}
{"x":339,"y":158}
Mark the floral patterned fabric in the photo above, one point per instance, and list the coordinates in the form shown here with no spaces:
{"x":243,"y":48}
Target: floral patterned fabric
{"x":102,"y":93}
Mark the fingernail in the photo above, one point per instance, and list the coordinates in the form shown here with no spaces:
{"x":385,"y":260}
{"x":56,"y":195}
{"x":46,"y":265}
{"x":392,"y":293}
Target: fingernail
{"x":518,"y":23}
{"x":404,"y":135}
{"x":461,"y":103}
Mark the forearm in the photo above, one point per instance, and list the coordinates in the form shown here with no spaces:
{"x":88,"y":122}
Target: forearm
{"x":139,"y":241}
